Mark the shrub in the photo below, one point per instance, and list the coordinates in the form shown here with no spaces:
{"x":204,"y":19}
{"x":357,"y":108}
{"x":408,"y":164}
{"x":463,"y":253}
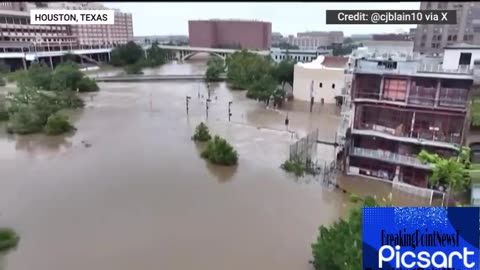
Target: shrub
{"x":8,"y":239}
{"x":66,"y":77}
{"x":201,"y":133}
{"x":25,"y":120}
{"x":220,"y":152}
{"x":2,"y":81}
{"x":57,"y":124}
{"x":294,"y":166}
{"x":134,"y":69}
{"x":87,"y":85}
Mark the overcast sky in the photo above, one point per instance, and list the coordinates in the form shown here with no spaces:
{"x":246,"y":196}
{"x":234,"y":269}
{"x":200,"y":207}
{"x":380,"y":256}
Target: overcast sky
{"x":171,"y":18}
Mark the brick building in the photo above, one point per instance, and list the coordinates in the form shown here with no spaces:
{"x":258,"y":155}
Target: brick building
{"x":230,"y":34}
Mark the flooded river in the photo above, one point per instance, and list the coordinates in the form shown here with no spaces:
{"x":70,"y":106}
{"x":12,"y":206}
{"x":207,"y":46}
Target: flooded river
{"x":141,"y":197}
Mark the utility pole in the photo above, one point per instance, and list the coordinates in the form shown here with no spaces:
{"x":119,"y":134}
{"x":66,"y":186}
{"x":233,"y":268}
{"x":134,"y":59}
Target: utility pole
{"x":187,"y":98}
{"x":229,"y":110}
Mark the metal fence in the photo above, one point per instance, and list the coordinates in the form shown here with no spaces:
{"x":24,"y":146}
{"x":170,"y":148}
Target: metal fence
{"x":305,"y":150}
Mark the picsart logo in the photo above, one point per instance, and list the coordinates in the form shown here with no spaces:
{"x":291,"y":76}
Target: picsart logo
{"x":421,"y":238}
{"x":424,"y":259}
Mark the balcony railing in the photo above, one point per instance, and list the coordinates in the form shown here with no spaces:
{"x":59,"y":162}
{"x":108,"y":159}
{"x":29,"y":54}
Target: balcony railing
{"x":390,"y":157}
{"x":438,"y":68}
{"x":454,"y":138}
{"x":409,"y":68}
{"x":421,"y":100}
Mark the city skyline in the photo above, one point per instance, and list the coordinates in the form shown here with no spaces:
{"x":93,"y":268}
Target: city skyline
{"x":303,"y":16}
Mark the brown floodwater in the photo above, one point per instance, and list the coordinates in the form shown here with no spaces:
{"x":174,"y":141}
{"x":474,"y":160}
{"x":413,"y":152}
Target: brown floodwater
{"x":140,"y":197}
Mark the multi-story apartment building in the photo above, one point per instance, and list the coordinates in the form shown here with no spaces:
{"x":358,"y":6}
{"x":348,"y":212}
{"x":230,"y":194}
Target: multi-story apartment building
{"x":230,"y":34}
{"x":95,"y":34}
{"x":17,"y":34}
{"x":315,"y":40}
{"x":431,"y":39}
{"x":402,"y":107}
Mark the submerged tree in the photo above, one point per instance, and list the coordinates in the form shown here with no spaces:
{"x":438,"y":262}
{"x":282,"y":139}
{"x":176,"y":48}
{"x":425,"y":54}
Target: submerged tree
{"x":201,"y":133}
{"x":215,"y":67}
{"x":8,"y":239}
{"x":220,"y":152}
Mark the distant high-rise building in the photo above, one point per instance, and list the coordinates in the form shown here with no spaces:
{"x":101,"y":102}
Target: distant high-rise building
{"x":230,"y":34}
{"x":432,"y":38}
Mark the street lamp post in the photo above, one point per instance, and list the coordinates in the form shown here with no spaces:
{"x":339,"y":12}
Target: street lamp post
{"x":206,"y":107}
{"x":229,"y":110}
{"x":187,"y":98}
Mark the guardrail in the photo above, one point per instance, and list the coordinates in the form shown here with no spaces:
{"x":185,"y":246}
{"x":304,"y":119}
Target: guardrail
{"x":390,"y":156}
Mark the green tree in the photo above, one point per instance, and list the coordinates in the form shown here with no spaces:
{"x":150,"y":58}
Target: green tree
{"x":156,"y":56}
{"x":87,"y":85}
{"x":262,"y":89}
{"x":449,"y":172}
{"x":66,"y":76}
{"x":38,"y":75}
{"x":134,"y":68}
{"x":202,"y":133}
{"x":215,"y":67}
{"x":127,"y":54}
{"x":245,"y":68}
{"x":57,"y":124}
{"x":339,"y":246}
{"x":220,"y":152}
{"x":283,"y":72}
{"x":8,"y":239}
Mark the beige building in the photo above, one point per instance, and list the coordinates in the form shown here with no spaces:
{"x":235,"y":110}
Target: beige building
{"x":324,"y":79}
{"x":432,"y":38}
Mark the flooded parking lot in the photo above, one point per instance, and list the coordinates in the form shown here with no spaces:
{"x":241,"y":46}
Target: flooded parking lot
{"x":141,"y":197}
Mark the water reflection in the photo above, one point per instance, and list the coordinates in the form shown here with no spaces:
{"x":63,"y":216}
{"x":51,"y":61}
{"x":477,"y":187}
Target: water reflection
{"x":43,"y":146}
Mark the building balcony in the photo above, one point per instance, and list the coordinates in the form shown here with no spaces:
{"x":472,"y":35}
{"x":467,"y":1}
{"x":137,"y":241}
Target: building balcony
{"x":407,"y":68}
{"x":390,"y":157}
{"x":430,"y":137}
{"x":456,"y":102}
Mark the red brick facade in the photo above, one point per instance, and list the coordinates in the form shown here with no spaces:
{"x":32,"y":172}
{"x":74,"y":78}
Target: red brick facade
{"x":229,"y":34}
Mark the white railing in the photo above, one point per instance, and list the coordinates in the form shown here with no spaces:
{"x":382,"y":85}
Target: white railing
{"x":390,"y":156}
{"x":418,"y":191}
{"x":438,"y":68}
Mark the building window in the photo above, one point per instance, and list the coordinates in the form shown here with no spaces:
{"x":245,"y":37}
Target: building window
{"x":465,"y":59}
{"x":449,"y":38}
{"x":395,"y":89}
{"x":321,"y":85}
{"x":422,"y":44}
{"x":333,"y":86}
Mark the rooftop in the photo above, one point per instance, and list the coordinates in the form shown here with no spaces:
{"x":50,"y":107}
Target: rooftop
{"x":411,"y":68}
{"x":326,"y":62}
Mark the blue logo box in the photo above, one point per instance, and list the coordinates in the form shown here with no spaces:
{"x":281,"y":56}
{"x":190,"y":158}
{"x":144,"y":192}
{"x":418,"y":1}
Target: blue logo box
{"x":421,"y":238}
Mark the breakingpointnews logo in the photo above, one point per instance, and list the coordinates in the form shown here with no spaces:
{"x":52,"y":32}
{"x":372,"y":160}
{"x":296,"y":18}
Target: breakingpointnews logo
{"x":421,"y":238}
{"x":64,"y":16}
